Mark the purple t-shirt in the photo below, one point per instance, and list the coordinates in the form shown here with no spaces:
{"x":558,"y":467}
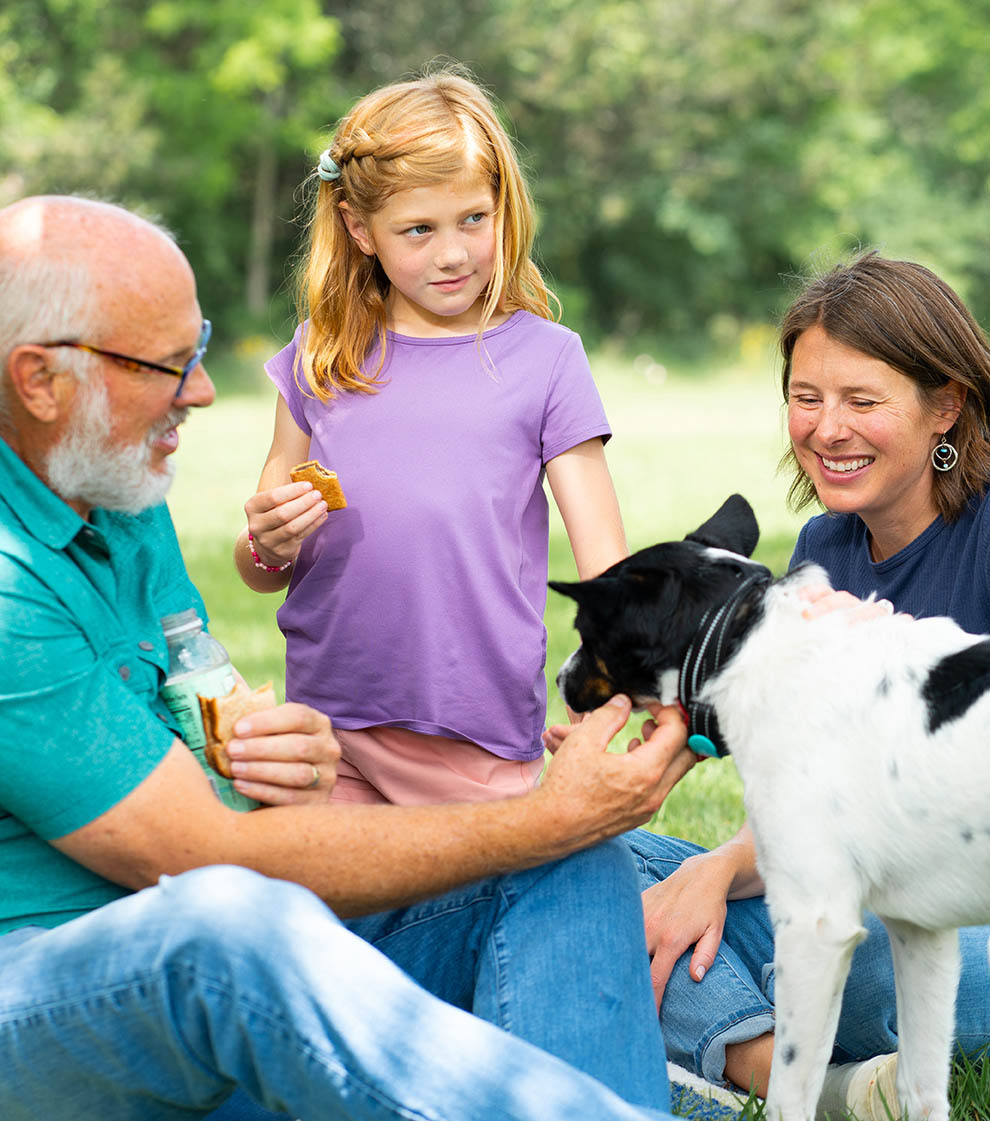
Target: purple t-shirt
{"x":421,"y":604}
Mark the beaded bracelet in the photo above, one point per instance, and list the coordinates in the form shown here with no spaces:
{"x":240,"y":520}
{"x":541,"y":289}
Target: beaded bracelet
{"x":259,"y":563}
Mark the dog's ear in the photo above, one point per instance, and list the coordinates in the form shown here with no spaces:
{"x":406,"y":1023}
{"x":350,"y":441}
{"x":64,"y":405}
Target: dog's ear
{"x":589,"y":594}
{"x":733,"y":526}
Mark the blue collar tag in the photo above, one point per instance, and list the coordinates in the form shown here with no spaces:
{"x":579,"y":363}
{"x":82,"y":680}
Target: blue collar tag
{"x":702,"y":745}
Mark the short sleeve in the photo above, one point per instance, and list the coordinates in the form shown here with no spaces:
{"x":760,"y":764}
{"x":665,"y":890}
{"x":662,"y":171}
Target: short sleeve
{"x":282,"y":371}
{"x":76,"y":739}
{"x":573,"y":410}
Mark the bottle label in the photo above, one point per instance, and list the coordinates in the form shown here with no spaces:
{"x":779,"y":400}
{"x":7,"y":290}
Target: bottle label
{"x":181,"y":698}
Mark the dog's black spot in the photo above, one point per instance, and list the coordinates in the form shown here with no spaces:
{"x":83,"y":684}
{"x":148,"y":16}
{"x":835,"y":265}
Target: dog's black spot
{"x":789,"y":1054}
{"x":893,"y":770}
{"x":955,"y":682}
{"x":967,"y":835}
{"x":883,"y":686}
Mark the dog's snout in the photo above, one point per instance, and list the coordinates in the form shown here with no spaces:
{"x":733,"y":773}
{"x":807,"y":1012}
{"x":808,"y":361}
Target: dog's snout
{"x":582,"y":685}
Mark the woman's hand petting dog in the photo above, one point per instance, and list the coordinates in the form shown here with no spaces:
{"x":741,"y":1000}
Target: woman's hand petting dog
{"x":604,"y":793}
{"x":823,"y":600}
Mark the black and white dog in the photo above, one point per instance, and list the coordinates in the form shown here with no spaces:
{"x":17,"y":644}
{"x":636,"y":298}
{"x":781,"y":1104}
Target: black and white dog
{"x":866,"y":773}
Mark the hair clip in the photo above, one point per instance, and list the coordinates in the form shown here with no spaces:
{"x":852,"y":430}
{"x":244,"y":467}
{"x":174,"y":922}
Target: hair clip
{"x":328,"y":169}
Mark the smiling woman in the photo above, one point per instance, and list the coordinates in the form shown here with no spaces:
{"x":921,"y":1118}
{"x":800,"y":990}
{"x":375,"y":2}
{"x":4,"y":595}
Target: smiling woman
{"x":883,"y":363}
{"x":864,"y":435}
{"x":884,"y":369}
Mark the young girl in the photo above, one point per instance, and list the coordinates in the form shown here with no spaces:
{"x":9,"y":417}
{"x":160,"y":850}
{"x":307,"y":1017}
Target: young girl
{"x":430,"y":377}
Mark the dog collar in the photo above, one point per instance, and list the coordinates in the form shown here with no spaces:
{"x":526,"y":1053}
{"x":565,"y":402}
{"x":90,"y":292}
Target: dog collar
{"x":704,"y":658}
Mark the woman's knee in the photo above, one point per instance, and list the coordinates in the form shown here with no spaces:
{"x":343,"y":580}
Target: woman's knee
{"x":656,"y":855}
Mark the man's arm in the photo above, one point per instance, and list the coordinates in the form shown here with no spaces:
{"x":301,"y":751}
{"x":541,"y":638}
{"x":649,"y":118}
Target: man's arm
{"x":362,"y":859}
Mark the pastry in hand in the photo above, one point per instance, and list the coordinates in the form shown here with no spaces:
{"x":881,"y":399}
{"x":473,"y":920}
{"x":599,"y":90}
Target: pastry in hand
{"x":312,"y":471}
{"x":220,"y":714}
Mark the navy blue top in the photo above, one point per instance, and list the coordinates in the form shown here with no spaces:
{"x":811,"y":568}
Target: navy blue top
{"x":943,"y":571}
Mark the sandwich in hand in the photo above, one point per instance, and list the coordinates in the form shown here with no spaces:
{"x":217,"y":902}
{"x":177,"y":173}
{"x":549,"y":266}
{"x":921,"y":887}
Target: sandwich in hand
{"x":220,"y":714}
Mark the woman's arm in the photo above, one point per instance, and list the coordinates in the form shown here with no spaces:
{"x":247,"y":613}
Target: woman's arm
{"x":282,"y":514}
{"x":582,"y":488}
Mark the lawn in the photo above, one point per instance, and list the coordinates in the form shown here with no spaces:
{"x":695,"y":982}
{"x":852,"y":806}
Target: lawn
{"x":682,"y":444}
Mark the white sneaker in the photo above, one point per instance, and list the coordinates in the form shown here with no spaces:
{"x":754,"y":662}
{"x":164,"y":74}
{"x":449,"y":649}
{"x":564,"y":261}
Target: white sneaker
{"x":866,"y":1090}
{"x":694,"y":1097}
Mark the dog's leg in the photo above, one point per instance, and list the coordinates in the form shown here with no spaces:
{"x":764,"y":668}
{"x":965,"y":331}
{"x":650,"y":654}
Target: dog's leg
{"x":926,"y":974}
{"x":813,"y":951}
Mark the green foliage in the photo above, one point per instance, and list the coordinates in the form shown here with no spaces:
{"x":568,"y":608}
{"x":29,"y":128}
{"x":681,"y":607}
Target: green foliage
{"x":205,"y":115}
{"x":687,"y":155}
{"x":684,"y":157}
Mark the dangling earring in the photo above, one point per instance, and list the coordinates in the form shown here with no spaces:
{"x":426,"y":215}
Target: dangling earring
{"x":944,"y":456}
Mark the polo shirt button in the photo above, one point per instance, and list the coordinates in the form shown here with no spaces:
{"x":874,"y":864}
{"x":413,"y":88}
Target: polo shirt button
{"x":125,"y":673}
{"x":145,"y":645}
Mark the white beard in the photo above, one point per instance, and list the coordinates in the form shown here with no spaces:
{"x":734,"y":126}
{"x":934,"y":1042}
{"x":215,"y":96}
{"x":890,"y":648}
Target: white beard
{"x":86,"y":466}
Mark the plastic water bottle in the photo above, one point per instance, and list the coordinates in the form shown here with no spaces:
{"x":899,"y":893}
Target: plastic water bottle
{"x":198,"y":664}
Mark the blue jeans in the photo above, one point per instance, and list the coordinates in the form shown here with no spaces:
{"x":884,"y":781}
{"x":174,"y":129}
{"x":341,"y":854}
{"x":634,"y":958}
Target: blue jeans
{"x":555,"y":955}
{"x":734,"y":1001}
{"x":160,"y":1004}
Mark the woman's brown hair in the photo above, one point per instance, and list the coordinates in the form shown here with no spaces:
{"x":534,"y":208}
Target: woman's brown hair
{"x":904,"y":315}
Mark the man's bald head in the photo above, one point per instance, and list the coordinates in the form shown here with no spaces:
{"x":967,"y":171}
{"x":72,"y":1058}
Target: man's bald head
{"x":82,"y":283}
{"x":64,"y":260}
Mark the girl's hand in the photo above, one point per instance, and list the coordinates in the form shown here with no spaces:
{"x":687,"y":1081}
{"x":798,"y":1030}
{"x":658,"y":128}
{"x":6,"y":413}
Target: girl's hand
{"x":280,"y":520}
{"x":554,"y":736}
{"x":284,"y":755}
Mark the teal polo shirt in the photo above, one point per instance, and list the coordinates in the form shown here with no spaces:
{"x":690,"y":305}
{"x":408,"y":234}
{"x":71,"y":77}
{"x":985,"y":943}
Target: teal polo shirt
{"x":83,"y":659}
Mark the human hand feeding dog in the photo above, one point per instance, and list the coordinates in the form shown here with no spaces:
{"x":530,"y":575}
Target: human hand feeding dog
{"x":605,"y":787}
{"x":839,"y":827}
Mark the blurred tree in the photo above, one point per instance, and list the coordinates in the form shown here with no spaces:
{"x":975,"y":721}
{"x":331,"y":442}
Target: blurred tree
{"x":685,"y":154}
{"x":206,"y":114}
{"x":688,"y":155}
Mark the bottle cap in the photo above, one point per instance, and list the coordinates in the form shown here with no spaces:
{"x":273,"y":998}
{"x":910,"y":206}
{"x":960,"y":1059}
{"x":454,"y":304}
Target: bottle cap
{"x":181,"y":621}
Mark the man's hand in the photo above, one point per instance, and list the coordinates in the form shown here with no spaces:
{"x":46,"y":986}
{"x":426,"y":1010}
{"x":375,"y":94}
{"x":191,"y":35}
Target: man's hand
{"x":285,"y":755}
{"x":598,"y":793}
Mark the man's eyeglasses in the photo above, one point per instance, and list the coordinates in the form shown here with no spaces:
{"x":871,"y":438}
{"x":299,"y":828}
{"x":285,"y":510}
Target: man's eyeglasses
{"x":136,"y":364}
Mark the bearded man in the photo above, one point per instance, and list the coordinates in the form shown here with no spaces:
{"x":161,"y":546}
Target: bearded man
{"x":162,"y":956}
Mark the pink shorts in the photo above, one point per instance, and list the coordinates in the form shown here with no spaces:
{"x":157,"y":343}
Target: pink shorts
{"x":408,"y":768}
